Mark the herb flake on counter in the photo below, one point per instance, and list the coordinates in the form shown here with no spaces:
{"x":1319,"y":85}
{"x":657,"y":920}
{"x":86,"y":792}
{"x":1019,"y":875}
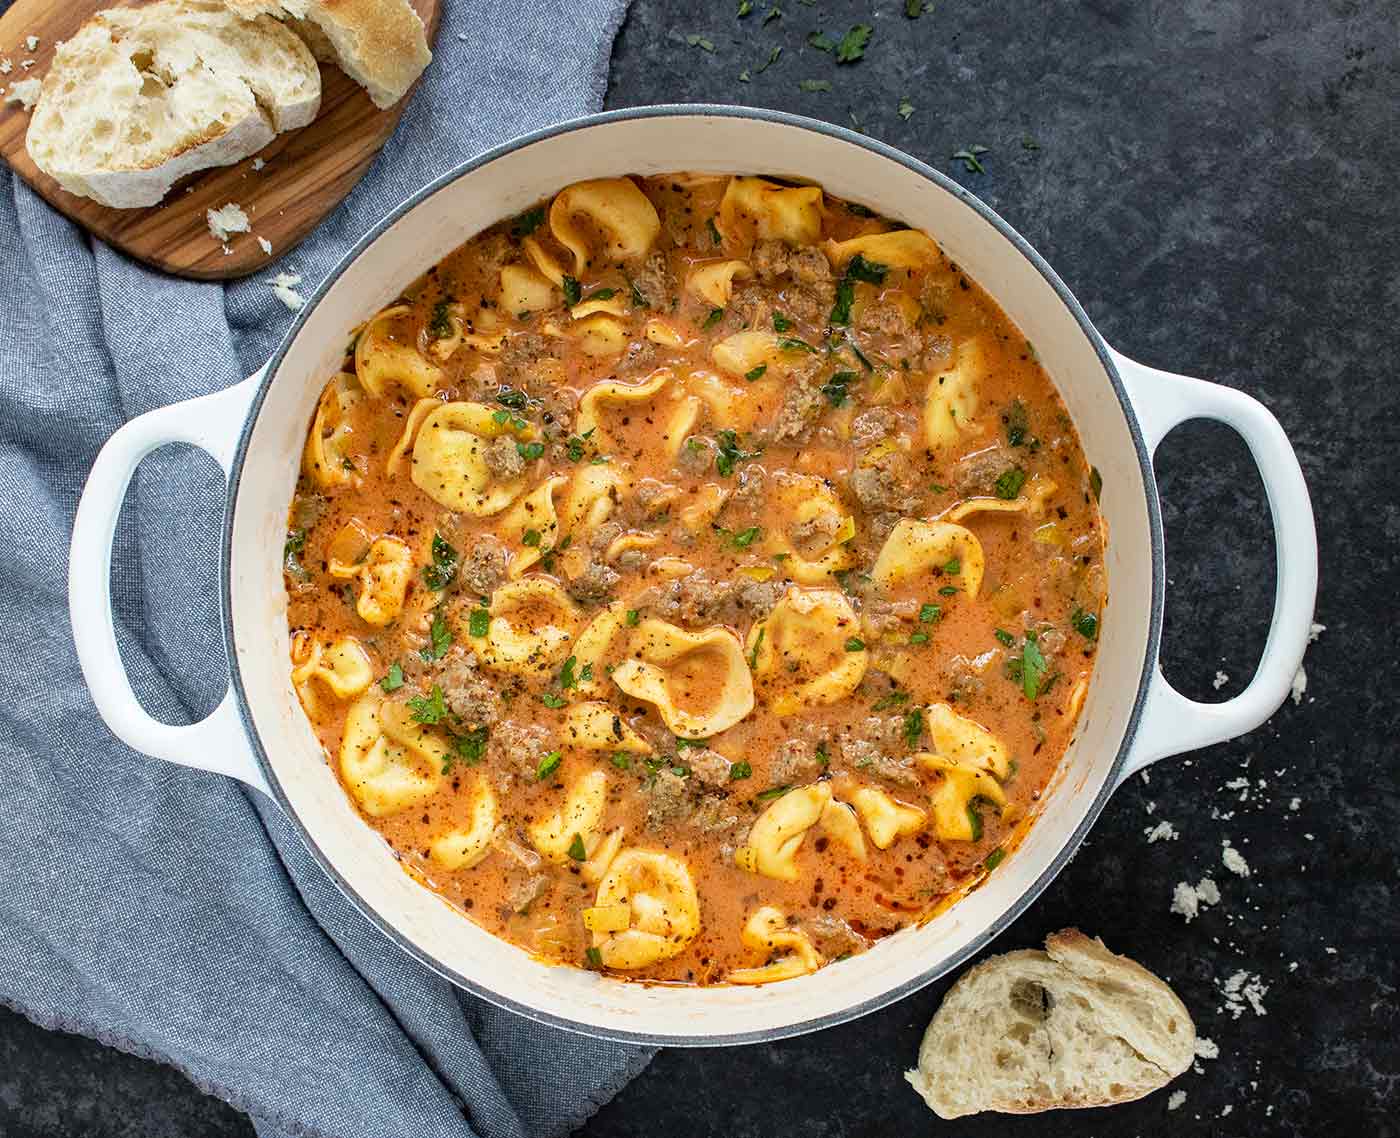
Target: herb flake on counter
{"x":775,"y":12}
{"x":968,"y":155}
{"x":853,"y":44}
{"x":394,"y":680}
{"x":905,"y":110}
{"x":767,"y":63}
{"x":814,"y":85}
{"x":549,"y":763}
{"x":822,"y":42}
{"x":916,"y":8}
{"x":745,"y":7}
{"x":701,"y":42}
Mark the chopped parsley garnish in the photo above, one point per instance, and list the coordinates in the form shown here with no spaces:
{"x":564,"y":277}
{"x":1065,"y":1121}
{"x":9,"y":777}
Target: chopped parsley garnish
{"x":594,"y":956}
{"x":746,"y":537}
{"x":508,"y":396}
{"x":291,"y":554}
{"x":479,"y":622}
{"x":1017,"y":423}
{"x":567,"y":679}
{"x":470,"y":748}
{"x":1009,"y":483}
{"x":530,"y":451}
{"x":575,"y":446}
{"x":443,"y":570}
{"x":995,"y":858}
{"x":836,"y":388}
{"x":730,"y":453}
{"x":439,"y":637}
{"x":603,"y":294}
{"x":394,"y":680}
{"x":871,"y":272}
{"x":894,"y":699}
{"x":756,"y":373}
{"x":622,"y":760}
{"x":1033,"y":667}
{"x":771,"y":793}
{"x":919,"y":637}
{"x":573,"y":291}
{"x":527,"y":222}
{"x":715,"y":236}
{"x":975,"y":820}
{"x":859,"y":269}
{"x":548,"y":765}
{"x":440,"y":326}
{"x":576,"y":849}
{"x":948,"y":591}
{"x":928,"y":613}
{"x":633,"y":617}
{"x":953,"y":567}
{"x":549,"y":699}
{"x":638,"y":296}
{"x":430,"y":709}
{"x":740,"y":770}
{"x":757,"y":644}
{"x":530,"y":537}
{"x":715,"y":316}
{"x":853,"y":43}
{"x":913,"y":727}
{"x":792,"y":344}
{"x":1085,"y":623}
{"x":1005,"y":637}
{"x":781,"y":323}
{"x":968,"y":156}
{"x":855,"y":644}
{"x":1096,"y":483}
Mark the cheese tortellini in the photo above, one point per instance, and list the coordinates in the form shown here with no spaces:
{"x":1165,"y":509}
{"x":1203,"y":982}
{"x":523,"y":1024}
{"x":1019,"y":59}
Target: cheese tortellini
{"x":465,"y":846}
{"x":767,"y":931}
{"x":606,"y":219}
{"x":531,"y":624}
{"x":390,"y":763}
{"x":530,"y":528}
{"x":818,"y":528}
{"x":342,"y":667}
{"x":386,"y":353}
{"x":698,"y":681}
{"x":901,"y":249}
{"x":756,"y":209}
{"x":714,"y":282}
{"x":580,"y":817}
{"x":384,"y":579}
{"x":953,"y":396}
{"x":326,"y":459}
{"x":450,"y":462}
{"x":971,"y":760}
{"x":915,"y":548}
{"x":646,"y":910}
{"x":885,"y":818}
{"x":777,"y":835}
{"x":659,"y":401}
{"x":807,"y":652}
{"x":595,"y":726}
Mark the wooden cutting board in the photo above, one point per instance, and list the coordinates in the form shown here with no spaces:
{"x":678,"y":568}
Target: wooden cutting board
{"x":305,"y":173}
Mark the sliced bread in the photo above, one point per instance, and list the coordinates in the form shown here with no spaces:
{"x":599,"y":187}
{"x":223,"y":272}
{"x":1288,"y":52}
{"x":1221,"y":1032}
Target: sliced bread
{"x":381,"y":44}
{"x":1073,"y":1026}
{"x":140,"y":97}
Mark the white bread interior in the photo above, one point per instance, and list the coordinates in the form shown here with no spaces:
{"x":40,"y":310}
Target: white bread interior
{"x":140,"y":97}
{"x":1073,"y":1026}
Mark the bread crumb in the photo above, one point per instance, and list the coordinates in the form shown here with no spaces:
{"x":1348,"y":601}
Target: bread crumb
{"x":1294,"y":803}
{"x":1315,"y":631}
{"x":25,"y":93}
{"x":6,"y":66}
{"x":1244,"y":988}
{"x":265,"y":245}
{"x":1225,"y":1110}
{"x":1188,"y":900}
{"x":226,"y":220}
{"x":26,"y":64}
{"x":31,"y":43}
{"x":1163,"y":831}
{"x":1233,"y":860}
{"x":1206,"y":1048}
{"x":1300,"y":685}
{"x":1221,"y":679}
{"x":1330,"y":950}
{"x":1176,"y":1100}
{"x":258,"y":163}
{"x":283,"y":284}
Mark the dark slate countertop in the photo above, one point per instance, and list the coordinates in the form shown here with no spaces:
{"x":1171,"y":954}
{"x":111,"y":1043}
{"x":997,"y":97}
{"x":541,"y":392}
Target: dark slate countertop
{"x":1215,"y":180}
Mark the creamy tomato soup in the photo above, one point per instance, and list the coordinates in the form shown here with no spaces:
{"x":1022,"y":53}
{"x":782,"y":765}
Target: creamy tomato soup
{"x":694,"y":578}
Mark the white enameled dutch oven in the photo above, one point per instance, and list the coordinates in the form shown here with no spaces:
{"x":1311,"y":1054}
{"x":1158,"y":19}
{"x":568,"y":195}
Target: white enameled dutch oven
{"x":256,"y":429}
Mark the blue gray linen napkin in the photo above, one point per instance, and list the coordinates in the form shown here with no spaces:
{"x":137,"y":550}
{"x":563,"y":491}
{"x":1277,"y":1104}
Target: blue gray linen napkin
{"x":170,"y":912}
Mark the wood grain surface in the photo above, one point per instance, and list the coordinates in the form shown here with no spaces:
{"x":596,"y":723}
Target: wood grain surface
{"x":306,"y":173}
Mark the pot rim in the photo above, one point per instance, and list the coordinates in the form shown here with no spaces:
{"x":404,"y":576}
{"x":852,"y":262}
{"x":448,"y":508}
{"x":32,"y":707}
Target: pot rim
{"x":1071,"y":844}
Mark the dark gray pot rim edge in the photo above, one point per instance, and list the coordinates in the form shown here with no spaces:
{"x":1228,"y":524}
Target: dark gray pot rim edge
{"x":1071,"y":846}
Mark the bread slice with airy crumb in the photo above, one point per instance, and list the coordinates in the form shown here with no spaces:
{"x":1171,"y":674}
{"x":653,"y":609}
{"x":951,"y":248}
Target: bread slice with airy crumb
{"x":140,"y":97}
{"x":381,"y":44}
{"x":1073,"y":1026}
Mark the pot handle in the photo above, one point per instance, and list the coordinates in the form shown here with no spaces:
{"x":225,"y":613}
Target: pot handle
{"x":1171,"y":723}
{"x":217,"y":743}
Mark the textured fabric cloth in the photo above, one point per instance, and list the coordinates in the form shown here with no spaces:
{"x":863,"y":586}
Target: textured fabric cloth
{"x":171,"y":912}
